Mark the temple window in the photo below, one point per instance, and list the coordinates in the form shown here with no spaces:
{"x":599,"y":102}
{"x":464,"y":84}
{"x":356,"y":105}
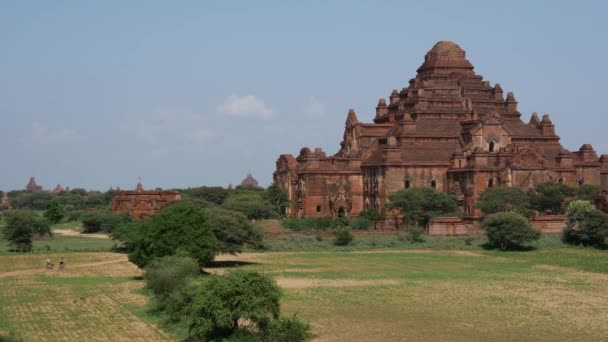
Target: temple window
{"x":561,"y":180}
{"x":318,"y":208}
{"x":434,"y":184}
{"x":407,"y":184}
{"x":491,"y":146}
{"x":491,"y":183}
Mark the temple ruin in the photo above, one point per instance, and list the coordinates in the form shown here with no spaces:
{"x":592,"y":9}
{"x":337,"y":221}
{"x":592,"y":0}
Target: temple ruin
{"x":140,"y":203}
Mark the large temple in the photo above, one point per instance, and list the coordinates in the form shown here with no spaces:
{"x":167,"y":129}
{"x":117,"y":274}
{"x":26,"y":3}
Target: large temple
{"x":450,"y":130}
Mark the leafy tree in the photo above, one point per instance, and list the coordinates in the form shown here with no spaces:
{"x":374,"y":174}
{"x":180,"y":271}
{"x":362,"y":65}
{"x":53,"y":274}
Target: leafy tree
{"x":212,"y":194}
{"x":19,"y":229}
{"x":503,"y":199}
{"x":508,"y":230}
{"x":232,"y":230}
{"x":288,"y":330}
{"x":181,"y":229}
{"x":251,"y":204}
{"x":277,"y":197}
{"x":419,"y":205}
{"x":550,"y":197}
{"x":93,"y":222}
{"x":54,"y":212}
{"x":374,"y":215}
{"x":171,"y":281}
{"x":361,"y":223}
{"x":586,"y":226}
{"x":343,"y":237}
{"x":586,"y":192}
{"x":222,"y":301}
{"x":41,"y":226}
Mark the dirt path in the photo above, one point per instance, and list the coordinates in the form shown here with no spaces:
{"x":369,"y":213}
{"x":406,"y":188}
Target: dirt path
{"x":71,"y":266}
{"x":68,"y":232}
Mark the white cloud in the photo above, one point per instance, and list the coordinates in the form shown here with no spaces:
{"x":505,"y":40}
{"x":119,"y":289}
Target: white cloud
{"x":44,"y":135}
{"x":315,"y":108}
{"x":247,"y":106}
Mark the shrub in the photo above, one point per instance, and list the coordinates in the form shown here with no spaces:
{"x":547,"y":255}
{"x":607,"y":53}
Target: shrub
{"x":587,"y":192}
{"x":324,"y":223}
{"x":252,"y":204}
{"x":103,"y":221}
{"x":232,"y":230}
{"x":19,"y":229}
{"x":221,"y":302}
{"x":343,"y":237}
{"x":287,"y":330}
{"x":361,"y":223}
{"x":415,"y":235}
{"x":508,"y":230}
{"x":54,"y":212}
{"x":419,"y":205}
{"x":170,"y":279}
{"x":550,"y":197}
{"x":181,"y":229}
{"x":502,"y":199}
{"x":41,"y":226}
{"x":592,"y":230}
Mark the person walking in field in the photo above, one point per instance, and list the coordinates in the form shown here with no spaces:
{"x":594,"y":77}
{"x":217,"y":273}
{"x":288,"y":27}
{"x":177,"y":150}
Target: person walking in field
{"x":61,"y":263}
{"x":49,"y":264}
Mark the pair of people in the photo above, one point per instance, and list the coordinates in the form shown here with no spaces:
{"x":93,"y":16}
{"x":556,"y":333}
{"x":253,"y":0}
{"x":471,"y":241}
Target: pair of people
{"x":50,"y":265}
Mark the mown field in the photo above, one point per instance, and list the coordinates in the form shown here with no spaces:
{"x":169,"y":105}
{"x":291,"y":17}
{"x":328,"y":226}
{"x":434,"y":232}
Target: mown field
{"x":457,"y":294}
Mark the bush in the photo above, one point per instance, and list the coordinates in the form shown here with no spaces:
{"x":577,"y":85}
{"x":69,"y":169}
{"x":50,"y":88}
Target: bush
{"x":232,"y":230}
{"x":361,"y":223}
{"x":41,"y":226}
{"x":252,"y":204}
{"x":19,"y":229}
{"x":343,"y":237}
{"x":103,"y":221}
{"x":550,"y":197}
{"x":419,"y":205}
{"x":221,"y":302}
{"x":508,"y":230}
{"x":415,"y":235}
{"x":502,"y":199}
{"x":587,"y":192}
{"x":592,"y":230}
{"x":54,"y":212}
{"x":181,"y":229}
{"x":171,"y":281}
{"x":314,"y":224}
{"x":287,"y":330}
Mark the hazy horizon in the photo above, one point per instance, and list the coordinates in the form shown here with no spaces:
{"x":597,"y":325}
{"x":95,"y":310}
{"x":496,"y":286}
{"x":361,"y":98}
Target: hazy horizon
{"x":184,"y":94}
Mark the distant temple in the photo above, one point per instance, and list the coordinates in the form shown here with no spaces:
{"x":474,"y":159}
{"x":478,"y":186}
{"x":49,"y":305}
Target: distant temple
{"x":448,"y":130}
{"x":249,"y":180}
{"x":58,"y":189}
{"x":32,"y":186}
{"x":141,"y":203}
{"x":5,"y":203}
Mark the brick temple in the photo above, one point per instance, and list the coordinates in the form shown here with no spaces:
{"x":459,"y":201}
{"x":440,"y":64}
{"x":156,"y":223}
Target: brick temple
{"x":140,"y":203}
{"x":450,"y":130}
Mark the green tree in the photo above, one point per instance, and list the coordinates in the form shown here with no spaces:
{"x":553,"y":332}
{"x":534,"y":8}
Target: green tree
{"x":419,"y":205}
{"x":278,"y":198}
{"x":212,"y":194}
{"x":232,"y":230}
{"x":577,"y":211}
{"x":54,"y":212}
{"x":508,"y":230}
{"x":343,"y":237}
{"x":181,"y":229}
{"x":503,"y":199}
{"x":96,"y":221}
{"x":586,"y":192}
{"x":171,"y":280}
{"x":585,"y":225}
{"x":222,"y":302}
{"x":374,"y":215}
{"x":550,"y":197}
{"x":252,"y":204}
{"x":19,"y":229}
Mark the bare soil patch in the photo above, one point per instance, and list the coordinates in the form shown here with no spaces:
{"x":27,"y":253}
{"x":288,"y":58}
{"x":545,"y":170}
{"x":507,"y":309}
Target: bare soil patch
{"x":68,"y":232}
{"x":300,"y":283}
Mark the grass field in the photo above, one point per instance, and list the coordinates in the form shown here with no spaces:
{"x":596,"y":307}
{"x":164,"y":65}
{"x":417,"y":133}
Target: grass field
{"x":444,"y":294}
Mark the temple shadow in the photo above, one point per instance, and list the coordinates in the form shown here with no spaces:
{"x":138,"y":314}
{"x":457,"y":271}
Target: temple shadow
{"x":489,"y":247}
{"x":229,"y":263}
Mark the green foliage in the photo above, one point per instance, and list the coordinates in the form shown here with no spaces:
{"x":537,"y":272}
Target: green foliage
{"x":576,"y":211}
{"x":211,"y":194}
{"x":274,"y":195}
{"x":19,"y":229}
{"x":54,"y":212}
{"x":250,"y":203}
{"x":586,"y":192}
{"x":170,"y":279}
{"x":323,"y":223}
{"x":503,"y":199}
{"x":508,"y":230}
{"x":181,"y":229}
{"x":103,"y":221}
{"x":550,"y":197}
{"x":343,"y":236}
{"x":221,"y":301}
{"x":34,"y":200}
{"x":415,"y":235}
{"x":419,"y":205}
{"x":361,"y":223}
{"x":41,"y":226}
{"x":232,"y":230}
{"x":287,"y":330}
{"x":374,"y":215}
{"x":590,"y":228}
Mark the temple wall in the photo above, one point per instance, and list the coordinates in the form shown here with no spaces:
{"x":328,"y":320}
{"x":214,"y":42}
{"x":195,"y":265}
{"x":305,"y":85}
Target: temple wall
{"x":319,"y":189}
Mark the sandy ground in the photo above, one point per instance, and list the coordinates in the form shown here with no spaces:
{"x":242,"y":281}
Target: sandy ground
{"x":68,"y":232}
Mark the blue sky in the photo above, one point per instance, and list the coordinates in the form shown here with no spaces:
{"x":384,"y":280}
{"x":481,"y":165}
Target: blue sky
{"x":95,"y":94}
